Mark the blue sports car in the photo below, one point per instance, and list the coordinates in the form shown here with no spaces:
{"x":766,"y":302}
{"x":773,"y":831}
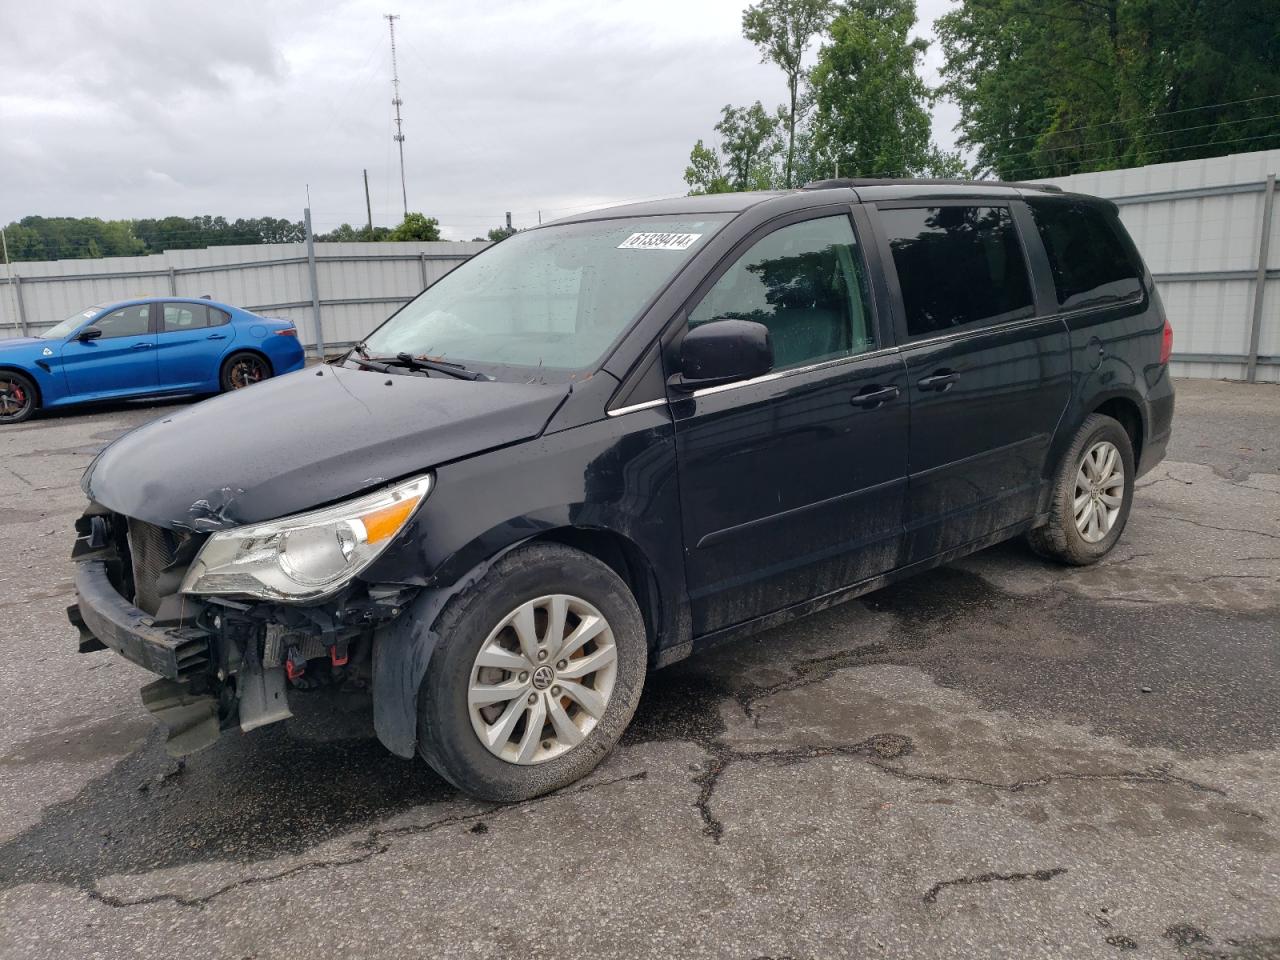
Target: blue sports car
{"x":147,"y":347}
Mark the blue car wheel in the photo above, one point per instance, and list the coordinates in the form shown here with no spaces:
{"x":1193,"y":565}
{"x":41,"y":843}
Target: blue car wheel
{"x":243,"y":370}
{"x":17,"y":397}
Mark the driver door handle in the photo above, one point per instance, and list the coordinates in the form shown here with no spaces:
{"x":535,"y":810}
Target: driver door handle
{"x":872,"y":397}
{"x":146,"y":345}
{"x":940,"y":380}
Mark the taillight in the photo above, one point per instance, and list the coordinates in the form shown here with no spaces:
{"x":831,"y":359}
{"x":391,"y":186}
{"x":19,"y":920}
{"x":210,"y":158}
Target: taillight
{"x":1166,"y":342}
{"x":287,"y":332}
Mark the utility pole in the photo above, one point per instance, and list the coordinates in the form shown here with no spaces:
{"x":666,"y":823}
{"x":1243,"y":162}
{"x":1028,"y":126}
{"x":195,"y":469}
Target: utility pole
{"x":508,"y":221}
{"x":19,"y":321}
{"x":368,"y":207}
{"x":311,"y":276}
{"x":398,"y":137}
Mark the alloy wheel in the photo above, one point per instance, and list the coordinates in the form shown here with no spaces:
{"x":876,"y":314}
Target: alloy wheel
{"x":542,"y":679}
{"x":14,"y":399}
{"x":246,"y":371}
{"x":1099,"y":493}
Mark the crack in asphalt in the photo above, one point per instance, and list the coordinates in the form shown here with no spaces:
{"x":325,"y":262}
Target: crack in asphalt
{"x":1210,"y":526}
{"x":1041,"y":875}
{"x":807,"y":672}
{"x":373,"y":845}
{"x":1158,"y":773}
{"x":886,"y":745}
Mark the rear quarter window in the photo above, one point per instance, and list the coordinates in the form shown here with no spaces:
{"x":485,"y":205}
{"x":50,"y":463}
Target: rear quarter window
{"x":1090,"y":260}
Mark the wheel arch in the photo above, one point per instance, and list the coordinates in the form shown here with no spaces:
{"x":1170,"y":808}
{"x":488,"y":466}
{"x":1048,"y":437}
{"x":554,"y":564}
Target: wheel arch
{"x":1127,"y":411}
{"x":403,"y":649}
{"x":35,"y":380}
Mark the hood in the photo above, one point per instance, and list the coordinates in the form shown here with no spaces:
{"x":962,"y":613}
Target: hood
{"x":306,"y":439}
{"x":23,"y":346}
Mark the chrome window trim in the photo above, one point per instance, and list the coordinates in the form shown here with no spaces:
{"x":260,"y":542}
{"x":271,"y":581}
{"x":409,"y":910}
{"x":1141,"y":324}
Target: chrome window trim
{"x":633,"y":407}
{"x":975,"y":330}
{"x":792,"y":371}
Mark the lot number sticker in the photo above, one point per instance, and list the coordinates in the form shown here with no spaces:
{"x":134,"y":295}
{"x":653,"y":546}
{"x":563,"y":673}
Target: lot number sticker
{"x":659,"y":241}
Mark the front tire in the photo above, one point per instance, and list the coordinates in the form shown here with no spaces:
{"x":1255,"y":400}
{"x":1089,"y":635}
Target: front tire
{"x":18,"y":397}
{"x":538,"y":671}
{"x":1092,"y":495}
{"x":243,"y":369}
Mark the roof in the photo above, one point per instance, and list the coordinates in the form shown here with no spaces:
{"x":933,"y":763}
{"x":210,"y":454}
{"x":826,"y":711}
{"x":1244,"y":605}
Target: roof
{"x":910,"y":182}
{"x":679,"y":206}
{"x":867,"y":188}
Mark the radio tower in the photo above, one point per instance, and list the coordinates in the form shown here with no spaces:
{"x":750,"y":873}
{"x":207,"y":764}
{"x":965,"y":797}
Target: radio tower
{"x":398,"y":136}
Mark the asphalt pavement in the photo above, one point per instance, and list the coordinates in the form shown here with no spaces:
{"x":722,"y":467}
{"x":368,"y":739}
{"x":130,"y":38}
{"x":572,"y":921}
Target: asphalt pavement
{"x":1001,"y":758}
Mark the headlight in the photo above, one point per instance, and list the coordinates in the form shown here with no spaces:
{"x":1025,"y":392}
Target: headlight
{"x":306,"y":556}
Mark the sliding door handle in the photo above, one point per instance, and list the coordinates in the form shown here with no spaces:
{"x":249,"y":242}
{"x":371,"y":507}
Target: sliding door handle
{"x":941,"y":381}
{"x":872,"y":397}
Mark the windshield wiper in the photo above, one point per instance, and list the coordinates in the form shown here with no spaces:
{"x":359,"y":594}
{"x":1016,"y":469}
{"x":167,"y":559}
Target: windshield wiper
{"x":417,"y":363}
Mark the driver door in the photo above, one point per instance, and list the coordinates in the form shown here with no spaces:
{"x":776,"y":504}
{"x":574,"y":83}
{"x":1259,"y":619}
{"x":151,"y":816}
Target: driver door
{"x":792,"y":485}
{"x":121,"y":362}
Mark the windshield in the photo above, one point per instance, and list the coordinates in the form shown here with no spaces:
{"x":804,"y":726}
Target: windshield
{"x":64,"y":329}
{"x":555,"y":297}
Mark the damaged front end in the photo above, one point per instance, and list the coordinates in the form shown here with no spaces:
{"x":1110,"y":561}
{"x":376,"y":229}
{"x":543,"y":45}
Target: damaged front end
{"x":225,"y":657}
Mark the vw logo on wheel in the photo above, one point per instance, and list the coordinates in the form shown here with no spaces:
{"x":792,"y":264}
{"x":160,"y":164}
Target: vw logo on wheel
{"x":542,"y":677}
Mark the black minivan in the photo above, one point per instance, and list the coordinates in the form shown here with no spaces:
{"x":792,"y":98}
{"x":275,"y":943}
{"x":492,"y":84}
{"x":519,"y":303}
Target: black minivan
{"x":606,"y":442}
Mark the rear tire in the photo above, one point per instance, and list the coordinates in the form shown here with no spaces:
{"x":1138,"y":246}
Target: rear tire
{"x":1092,"y":495}
{"x":504,"y":664}
{"x":243,"y":369}
{"x":18,"y":397}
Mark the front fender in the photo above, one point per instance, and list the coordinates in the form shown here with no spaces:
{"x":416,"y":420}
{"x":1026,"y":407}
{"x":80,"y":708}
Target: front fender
{"x":401,"y":654}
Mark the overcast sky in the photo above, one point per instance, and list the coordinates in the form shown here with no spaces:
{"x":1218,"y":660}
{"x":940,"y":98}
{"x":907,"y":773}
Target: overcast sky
{"x":138,"y":109}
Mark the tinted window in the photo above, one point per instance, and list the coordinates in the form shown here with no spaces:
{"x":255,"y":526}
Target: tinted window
{"x":1089,"y":260}
{"x":186,"y":316}
{"x":957,"y":266}
{"x":126,"y":322}
{"x":805,"y":283}
{"x":193,"y":316}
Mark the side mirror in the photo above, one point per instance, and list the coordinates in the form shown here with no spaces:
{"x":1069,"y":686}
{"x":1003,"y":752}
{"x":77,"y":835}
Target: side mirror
{"x":723,"y":351}
{"x":89,"y":333}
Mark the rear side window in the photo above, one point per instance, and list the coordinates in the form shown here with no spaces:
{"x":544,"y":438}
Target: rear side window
{"x":957,"y":266}
{"x":188,"y":316}
{"x":1090,"y":262}
{"x":806,"y":283}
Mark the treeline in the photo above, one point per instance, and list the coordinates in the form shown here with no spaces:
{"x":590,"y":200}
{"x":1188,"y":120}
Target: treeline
{"x":64,"y":238}
{"x":1045,"y":88}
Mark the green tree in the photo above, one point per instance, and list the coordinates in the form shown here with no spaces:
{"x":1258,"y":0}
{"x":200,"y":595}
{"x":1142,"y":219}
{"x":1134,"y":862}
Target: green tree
{"x":500,"y":233}
{"x":783,"y":30}
{"x":417,"y":226}
{"x":871,"y":112}
{"x":749,"y":146}
{"x":1052,"y":87}
{"x":346,"y":233}
{"x":705,"y":173}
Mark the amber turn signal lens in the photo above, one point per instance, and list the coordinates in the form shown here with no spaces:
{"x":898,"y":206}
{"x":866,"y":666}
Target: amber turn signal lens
{"x":385,"y":522}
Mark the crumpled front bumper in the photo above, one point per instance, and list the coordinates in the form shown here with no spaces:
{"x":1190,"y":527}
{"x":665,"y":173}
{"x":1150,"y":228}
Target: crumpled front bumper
{"x":106,"y":619}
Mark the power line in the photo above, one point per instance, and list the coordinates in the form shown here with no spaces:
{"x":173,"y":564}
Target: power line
{"x":1145,"y":116}
{"x":1149,"y":153}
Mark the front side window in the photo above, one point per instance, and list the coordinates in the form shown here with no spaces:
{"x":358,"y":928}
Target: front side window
{"x":1089,"y":261}
{"x":126,"y":322}
{"x":806,"y":283}
{"x":551,"y":298}
{"x":957,"y":266}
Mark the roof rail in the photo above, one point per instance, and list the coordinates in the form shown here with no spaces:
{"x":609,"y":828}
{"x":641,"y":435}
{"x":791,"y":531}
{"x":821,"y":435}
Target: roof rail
{"x":925,"y":181}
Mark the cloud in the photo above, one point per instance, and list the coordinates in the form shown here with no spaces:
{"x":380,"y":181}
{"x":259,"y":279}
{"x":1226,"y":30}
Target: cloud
{"x":235,"y":108}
